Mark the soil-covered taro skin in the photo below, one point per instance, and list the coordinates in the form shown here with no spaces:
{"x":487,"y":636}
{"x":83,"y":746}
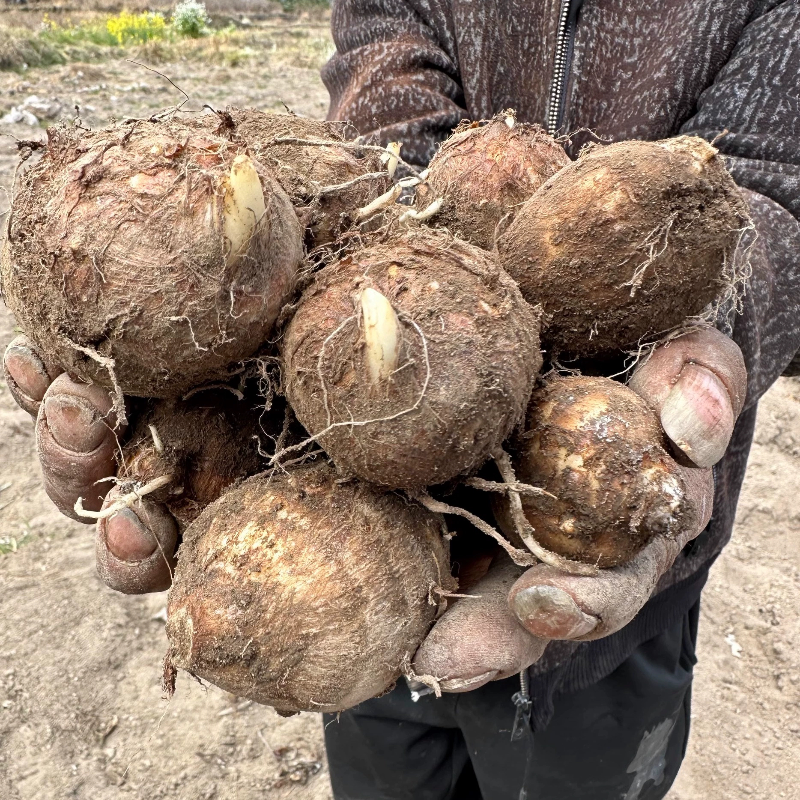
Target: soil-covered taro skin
{"x":148,"y":255}
{"x":304,"y":592}
{"x":326,"y":177}
{"x":600,"y":452}
{"x":626,"y":242}
{"x":484,"y":173}
{"x":412,"y":359}
{"x":202,"y":444}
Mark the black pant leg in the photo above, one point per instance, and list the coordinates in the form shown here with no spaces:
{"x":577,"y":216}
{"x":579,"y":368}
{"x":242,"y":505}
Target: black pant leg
{"x":621,"y":739}
{"x":394,"y":749}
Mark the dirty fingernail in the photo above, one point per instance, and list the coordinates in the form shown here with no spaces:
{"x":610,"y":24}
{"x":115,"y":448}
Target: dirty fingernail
{"x":551,"y":613}
{"x":698,"y":416}
{"x":127,"y":538}
{"x":27,"y":371}
{"x":459,"y":684}
{"x":74,"y":423}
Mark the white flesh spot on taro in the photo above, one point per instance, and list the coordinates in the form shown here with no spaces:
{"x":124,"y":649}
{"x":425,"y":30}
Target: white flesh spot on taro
{"x":699,"y":149}
{"x":381,"y":330}
{"x":244,"y":206}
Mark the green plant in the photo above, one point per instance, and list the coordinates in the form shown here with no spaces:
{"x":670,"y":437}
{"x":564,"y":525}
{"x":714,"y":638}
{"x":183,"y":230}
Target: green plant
{"x":21,"y":49}
{"x":190,"y":18}
{"x":10,"y":544}
{"x":88,"y":32}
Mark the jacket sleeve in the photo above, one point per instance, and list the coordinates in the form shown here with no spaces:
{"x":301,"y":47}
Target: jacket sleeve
{"x":394,"y":73}
{"x":752,"y":112}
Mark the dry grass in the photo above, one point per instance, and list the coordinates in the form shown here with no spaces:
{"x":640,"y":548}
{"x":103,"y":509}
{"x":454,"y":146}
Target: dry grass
{"x":71,"y":33}
{"x":298,"y":48}
{"x":30,"y":14}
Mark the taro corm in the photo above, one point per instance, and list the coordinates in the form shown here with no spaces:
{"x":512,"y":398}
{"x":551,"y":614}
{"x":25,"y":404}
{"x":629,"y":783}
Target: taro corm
{"x":411,"y":359}
{"x":484,"y":173}
{"x":627,"y":242}
{"x":148,"y":255}
{"x":599,"y":451}
{"x":304,"y":592}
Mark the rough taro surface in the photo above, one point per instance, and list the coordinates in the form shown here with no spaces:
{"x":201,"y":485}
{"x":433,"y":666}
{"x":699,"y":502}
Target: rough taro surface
{"x":306,"y":593}
{"x":118,"y":267}
{"x":313,"y":175}
{"x":206,"y":443}
{"x":484,"y":173}
{"x":468,"y":357}
{"x":599,"y":449}
{"x":626,"y":242}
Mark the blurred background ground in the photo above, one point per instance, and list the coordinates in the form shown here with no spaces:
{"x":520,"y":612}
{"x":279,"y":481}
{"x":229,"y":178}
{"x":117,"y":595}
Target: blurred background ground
{"x":81,"y":709}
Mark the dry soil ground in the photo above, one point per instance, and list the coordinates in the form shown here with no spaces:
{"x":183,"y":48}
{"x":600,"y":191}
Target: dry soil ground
{"x":81,"y":710}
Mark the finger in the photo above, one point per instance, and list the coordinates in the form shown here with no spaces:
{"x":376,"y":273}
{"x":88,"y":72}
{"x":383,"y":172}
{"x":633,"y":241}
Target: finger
{"x":26,"y":374}
{"x":76,"y":436}
{"x":553,"y":604}
{"x":135,"y":548}
{"x":697,"y":383}
{"x":478,"y":640}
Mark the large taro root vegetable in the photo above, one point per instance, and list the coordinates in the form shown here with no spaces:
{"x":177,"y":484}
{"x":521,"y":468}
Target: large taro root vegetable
{"x":599,"y":450}
{"x":484,"y":173}
{"x":320,"y":171}
{"x":411,"y":359}
{"x":148,"y":256}
{"x":626,"y":242}
{"x":306,"y":593}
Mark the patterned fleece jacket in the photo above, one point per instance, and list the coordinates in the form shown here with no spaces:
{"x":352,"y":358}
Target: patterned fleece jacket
{"x":410,"y":70}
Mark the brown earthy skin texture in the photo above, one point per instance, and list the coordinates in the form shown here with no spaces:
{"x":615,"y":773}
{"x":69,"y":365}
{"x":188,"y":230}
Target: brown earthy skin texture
{"x":625,"y":242}
{"x":484,"y":173}
{"x":305,"y":593}
{"x":115,"y":243}
{"x":599,"y":448}
{"x":304,"y":170}
{"x":208,"y":442}
{"x":482,"y":348}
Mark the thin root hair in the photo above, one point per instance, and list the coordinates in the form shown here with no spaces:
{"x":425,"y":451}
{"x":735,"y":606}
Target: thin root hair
{"x":520,"y":557}
{"x":525,"y":529}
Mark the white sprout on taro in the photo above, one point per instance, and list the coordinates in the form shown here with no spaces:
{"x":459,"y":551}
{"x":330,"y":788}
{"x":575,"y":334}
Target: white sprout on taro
{"x":421,"y":216}
{"x":157,"y":443}
{"x":379,"y":203}
{"x":382,"y":334}
{"x":244,"y":206}
{"x":126,"y":501}
{"x":391,"y":157}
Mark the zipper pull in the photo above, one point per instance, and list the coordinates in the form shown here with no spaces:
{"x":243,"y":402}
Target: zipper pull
{"x":524,"y":704}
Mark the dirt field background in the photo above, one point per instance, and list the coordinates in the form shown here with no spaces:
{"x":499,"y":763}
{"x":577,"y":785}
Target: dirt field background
{"x":81,"y":710}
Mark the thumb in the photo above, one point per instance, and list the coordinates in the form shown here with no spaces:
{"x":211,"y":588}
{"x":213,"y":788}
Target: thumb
{"x":479,"y":640}
{"x":697,"y":384}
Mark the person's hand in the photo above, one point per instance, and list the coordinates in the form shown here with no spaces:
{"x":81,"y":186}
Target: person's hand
{"x":697,"y":384}
{"x":478,"y":639}
{"x":77,"y":438}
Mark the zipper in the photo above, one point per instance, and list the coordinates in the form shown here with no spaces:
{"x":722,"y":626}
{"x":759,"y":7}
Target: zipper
{"x":565,"y":40}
